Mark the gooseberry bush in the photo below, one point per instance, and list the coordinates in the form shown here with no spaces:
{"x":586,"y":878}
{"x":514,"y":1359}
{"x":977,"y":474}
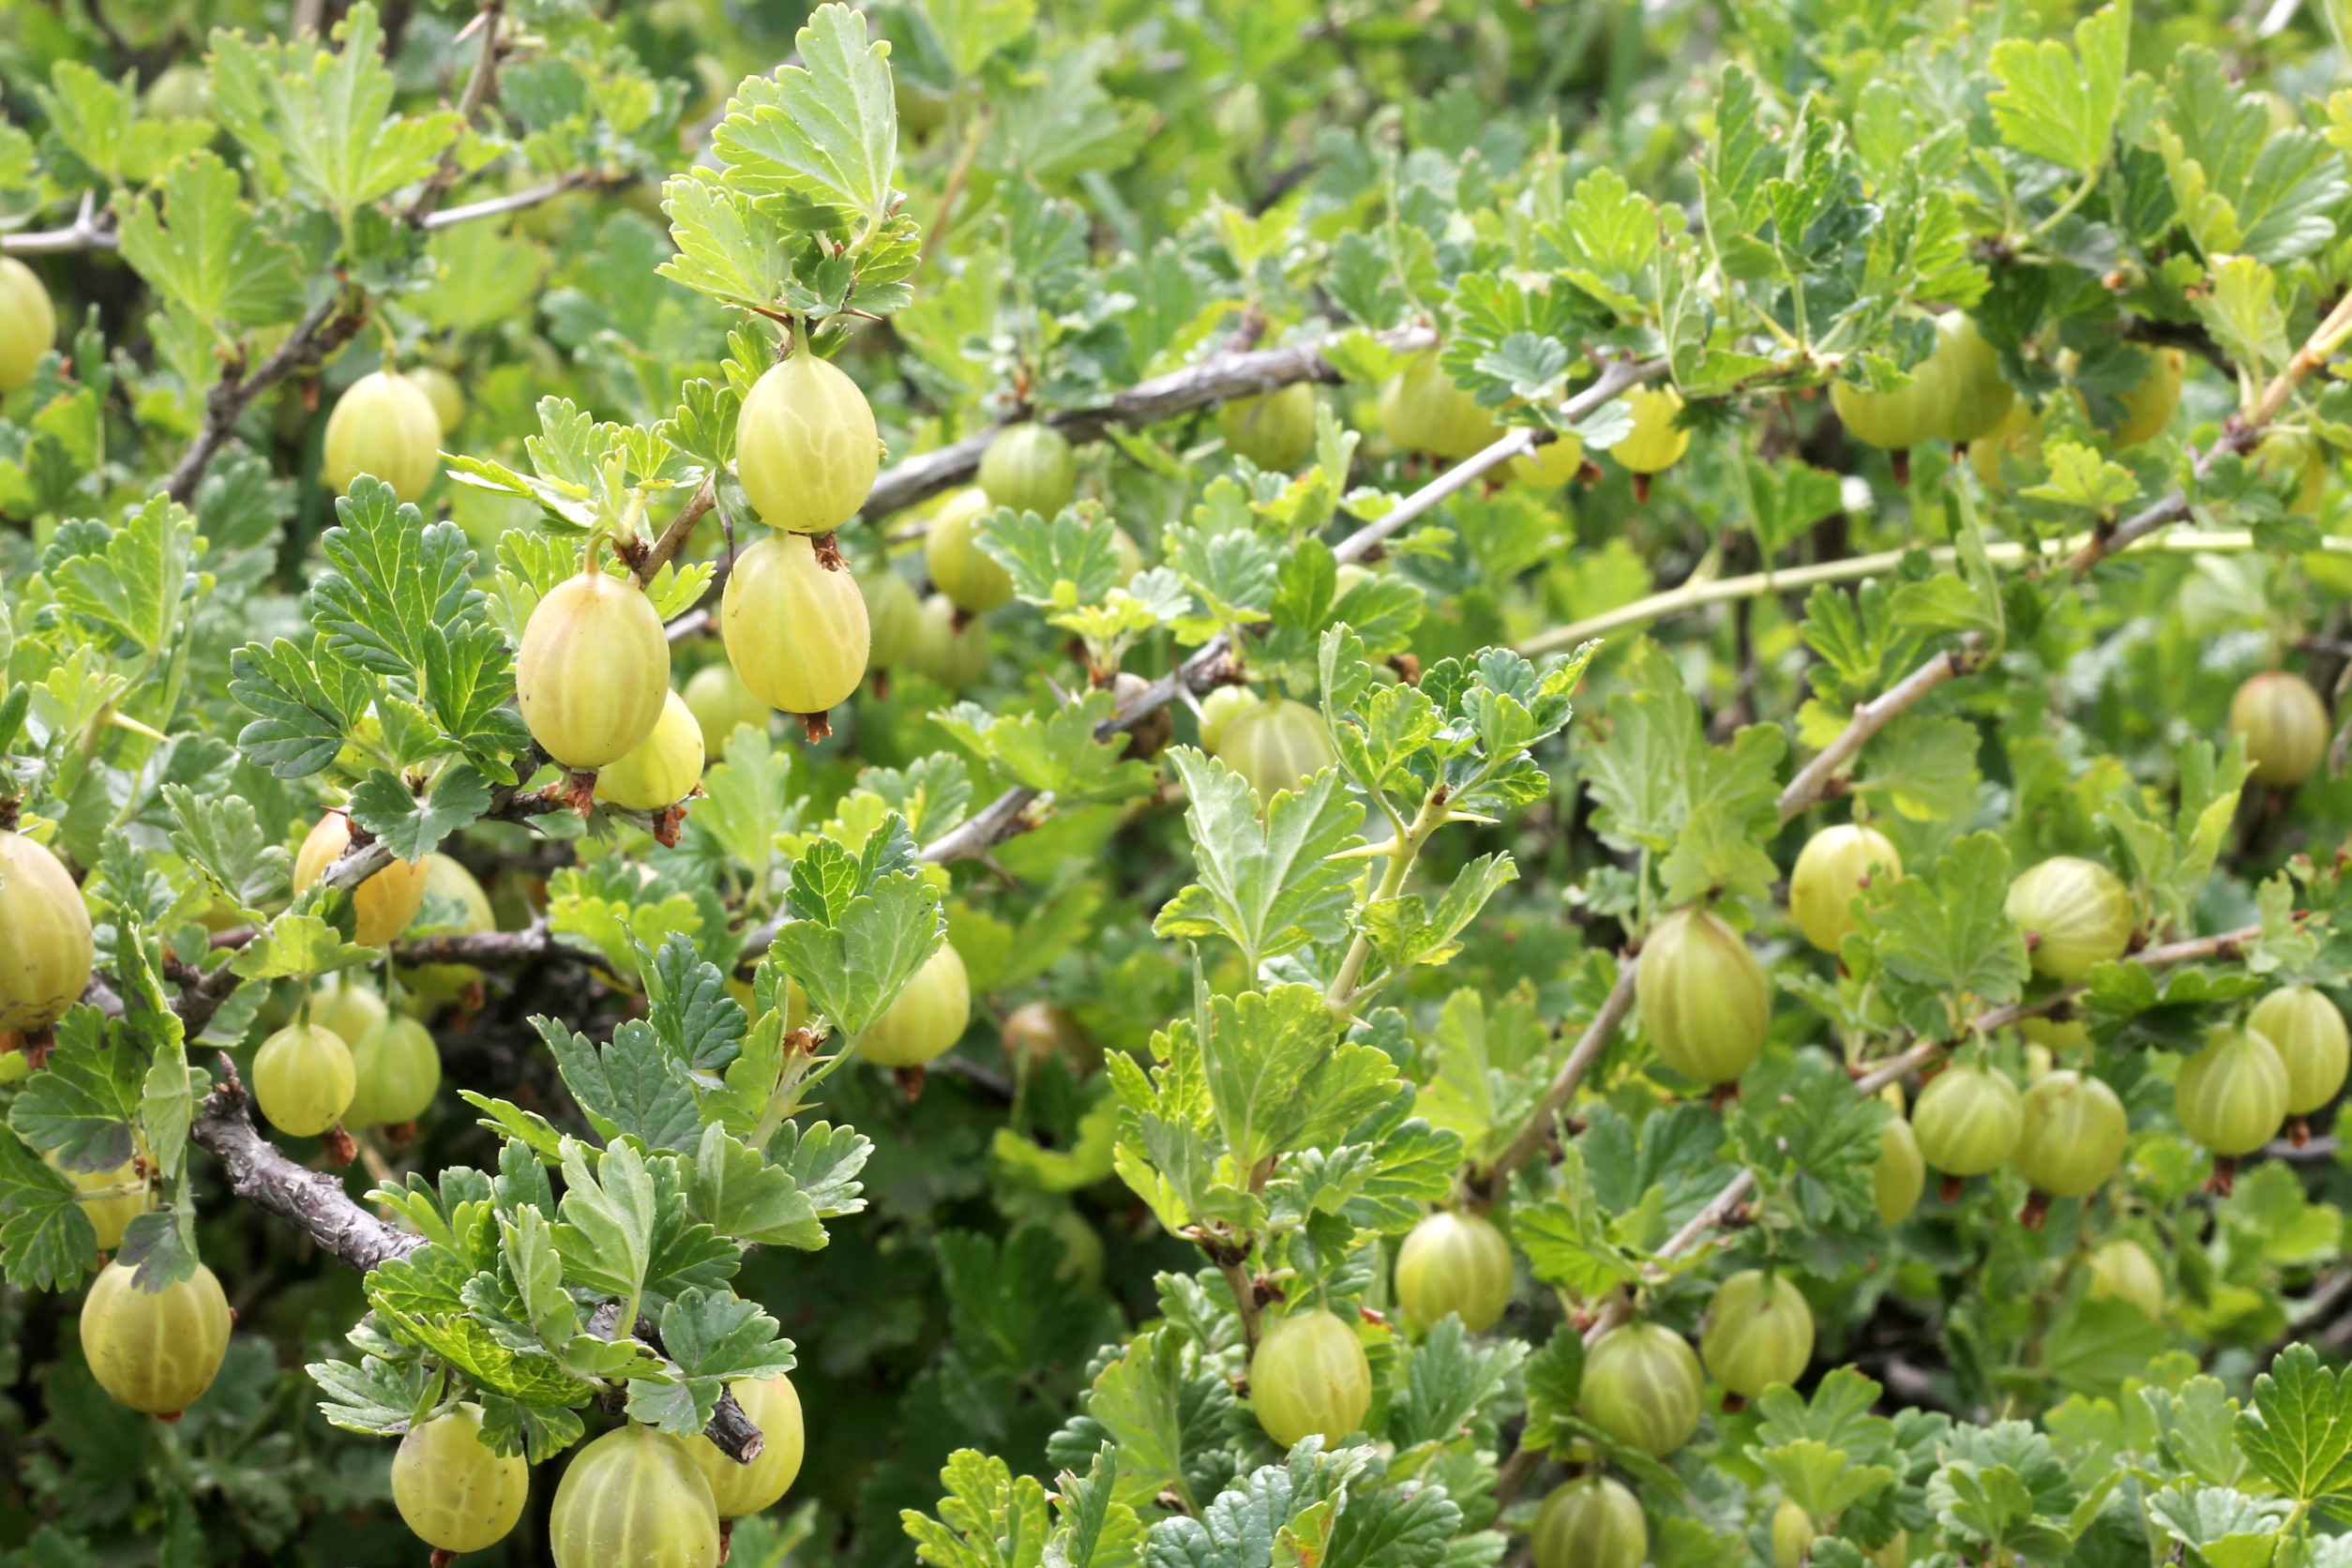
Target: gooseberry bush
{"x":1130,"y":786}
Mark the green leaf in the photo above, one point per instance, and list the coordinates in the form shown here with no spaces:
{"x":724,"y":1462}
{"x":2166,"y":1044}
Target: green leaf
{"x":2058,"y":103}
{"x":2242,"y":312}
{"x":606,"y":1236}
{"x":825,"y":129}
{"x":1056,"y":754}
{"x":628,"y":1087}
{"x":199,"y":245}
{"x":740,"y":1193}
{"x":2079,"y":477}
{"x":860,"y":928}
{"x":729,"y":247}
{"x":83,"y":1107}
{"x":1948,"y":929}
{"x":2298,"y":1431}
{"x":325,"y":119}
{"x":969,"y":31}
{"x":298,"y":944}
{"x":412,"y":827}
{"x":137,"y":587}
{"x":990,"y":1518}
{"x":46,"y":1241}
{"x":222,"y":837}
{"x":302,"y":721}
{"x":1270,"y":885}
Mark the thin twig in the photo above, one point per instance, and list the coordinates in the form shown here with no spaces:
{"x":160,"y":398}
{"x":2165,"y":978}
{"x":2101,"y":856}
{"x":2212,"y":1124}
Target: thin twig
{"x":674,"y":537}
{"x":2005,"y":555}
{"x":92,"y":229}
{"x":1588,"y":1050}
{"x":1820,"y":776}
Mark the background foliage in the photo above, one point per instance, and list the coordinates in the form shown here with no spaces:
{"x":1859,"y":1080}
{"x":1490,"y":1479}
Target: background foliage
{"x":1119,"y":217}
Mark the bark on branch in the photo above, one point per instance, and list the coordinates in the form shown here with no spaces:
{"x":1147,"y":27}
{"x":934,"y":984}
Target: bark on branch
{"x":1219,"y":379}
{"x":311,"y":1201}
{"x":484,"y":949}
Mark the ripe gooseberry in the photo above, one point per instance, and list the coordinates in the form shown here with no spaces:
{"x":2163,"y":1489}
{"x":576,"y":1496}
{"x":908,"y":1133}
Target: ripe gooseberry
{"x":350,"y":1008}
{"x":1422,"y":410}
{"x":441,"y":390}
{"x":2073,"y":1135}
{"x":1759,"y":1332}
{"x":1311,"y":1377}
{"x":795,"y":628}
{"x":1835,"y":865}
{"x":28,"y":324}
{"x":2121,"y":1270}
{"x":1219,"y":709}
{"x":109,"y":1199}
{"x":894,"y":616}
{"x":774,"y":1406}
{"x":1029,"y":467}
{"x":593,"y":669}
{"x":1038,"y":1031}
{"x":1128,"y":554}
{"x":959,"y":568}
{"x":1793,"y":1534}
{"x":954,"y":656}
{"x":2231,"y":1096}
{"x":45,"y":940}
{"x":1550,"y":465}
{"x":663,"y":769}
{"x":1898,"y":420}
{"x":1590,"y":1522}
{"x":2074,"y":912}
{"x":180,"y":92}
{"x":1642,"y":1386}
{"x":1967,"y":1120}
{"x":303,"y":1080}
{"x":633,"y":1498}
{"x":1977,"y":401}
{"x":2309,"y":1034}
{"x":396,"y":1072}
{"x":2285,"y":726}
{"x":1274,"y":430}
{"x":1656,"y":441}
{"x":1899,"y":1175}
{"x":155,"y":1351}
{"x":452,"y":1490}
{"x":1275,"y":745}
{"x":2286,"y":454}
{"x":383,"y":904}
{"x":2148,"y":408}
{"x":1456,"y":1263}
{"x":384,"y":424}
{"x":806,"y":447}
{"x":426,"y":989}
{"x":1706,"y":1002}
{"x":2016,"y":438}
{"x":927,"y":1018}
{"x":721,"y":704}
{"x":2056,"y":1034}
